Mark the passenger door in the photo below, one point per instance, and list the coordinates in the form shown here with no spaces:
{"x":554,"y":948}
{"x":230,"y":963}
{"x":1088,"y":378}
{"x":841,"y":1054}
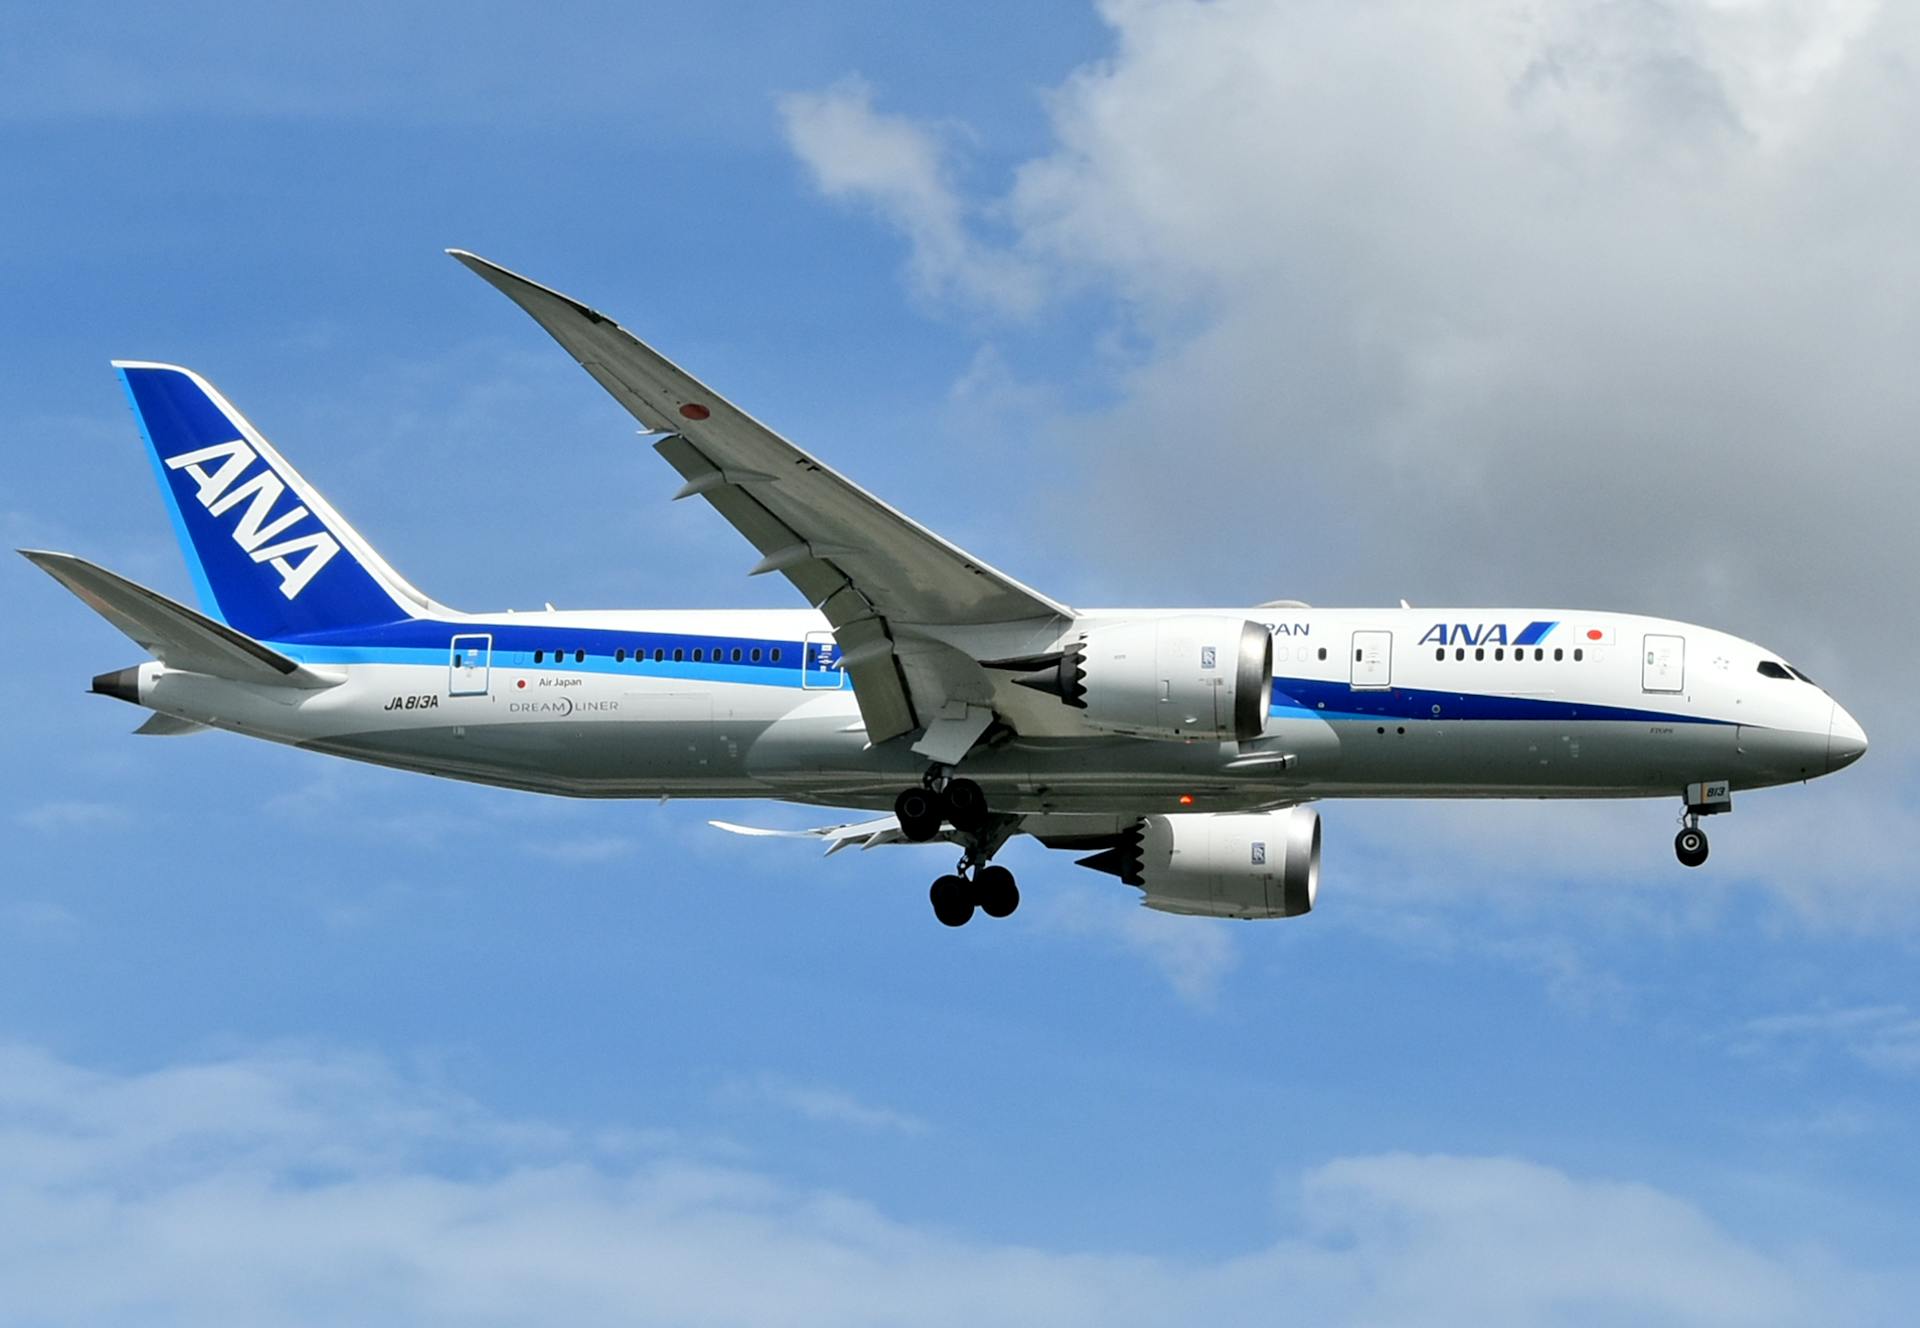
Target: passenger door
{"x":820,"y":663}
{"x":471,"y":666}
{"x":1372,"y":661}
{"x":1663,"y":664}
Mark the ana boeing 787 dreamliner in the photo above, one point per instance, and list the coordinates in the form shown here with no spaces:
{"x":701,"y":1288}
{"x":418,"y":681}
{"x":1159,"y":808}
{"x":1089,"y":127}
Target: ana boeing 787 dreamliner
{"x":1176,"y":749}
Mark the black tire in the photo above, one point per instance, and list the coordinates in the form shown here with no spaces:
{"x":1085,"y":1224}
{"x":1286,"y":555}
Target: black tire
{"x":1690,"y":846}
{"x":918,"y":812}
{"x":966,"y":804}
{"x":952,"y":901}
{"x":994,"y":890}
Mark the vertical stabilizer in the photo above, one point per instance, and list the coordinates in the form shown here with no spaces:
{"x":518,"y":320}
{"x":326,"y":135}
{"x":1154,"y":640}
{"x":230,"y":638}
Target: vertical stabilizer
{"x":269,"y":556}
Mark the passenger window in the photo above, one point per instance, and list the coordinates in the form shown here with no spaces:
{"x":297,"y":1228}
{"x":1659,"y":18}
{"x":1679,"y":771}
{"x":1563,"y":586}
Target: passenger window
{"x":734,"y":654}
{"x":1459,"y":652}
{"x":579,"y":657}
{"x":775,"y":654}
{"x":539,"y":657}
{"x":1440,"y":653}
{"x":1558,"y":654}
{"x":678,"y":654}
{"x":756,"y":654}
{"x":1323,"y":652}
{"x":659,"y":655}
{"x":1499,"y":652}
{"x":1538,"y":654}
{"x":1479,"y":652}
{"x":1579,"y":653}
{"x":620,"y":655}
{"x":698,"y":654}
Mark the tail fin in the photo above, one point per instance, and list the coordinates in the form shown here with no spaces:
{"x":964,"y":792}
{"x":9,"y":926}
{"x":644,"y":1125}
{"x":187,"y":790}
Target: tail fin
{"x":269,"y":556}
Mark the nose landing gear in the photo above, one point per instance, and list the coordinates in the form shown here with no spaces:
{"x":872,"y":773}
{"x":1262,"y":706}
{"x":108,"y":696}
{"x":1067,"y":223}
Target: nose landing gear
{"x":1690,"y":845}
{"x":1707,"y":798}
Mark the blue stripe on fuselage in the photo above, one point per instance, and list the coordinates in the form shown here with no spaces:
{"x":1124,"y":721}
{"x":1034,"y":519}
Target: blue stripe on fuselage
{"x":1307,"y":697}
{"x":427,"y":642}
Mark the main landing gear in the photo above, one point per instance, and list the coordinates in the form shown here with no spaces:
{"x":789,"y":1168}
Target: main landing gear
{"x":921,"y":811}
{"x":991,"y":890}
{"x":974,"y":882}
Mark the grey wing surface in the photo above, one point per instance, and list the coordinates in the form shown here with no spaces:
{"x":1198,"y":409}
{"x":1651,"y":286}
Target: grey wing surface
{"x":882,"y":580}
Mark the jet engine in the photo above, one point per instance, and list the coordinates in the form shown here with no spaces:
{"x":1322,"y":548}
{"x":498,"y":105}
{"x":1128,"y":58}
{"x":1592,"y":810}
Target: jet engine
{"x":1187,"y":676}
{"x":1235,"y":865}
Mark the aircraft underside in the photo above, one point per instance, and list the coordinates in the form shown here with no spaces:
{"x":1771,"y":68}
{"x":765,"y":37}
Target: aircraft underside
{"x":1316,"y":759}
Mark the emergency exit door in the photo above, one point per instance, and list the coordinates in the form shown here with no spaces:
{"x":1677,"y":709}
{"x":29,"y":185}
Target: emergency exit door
{"x":1372,"y":660}
{"x":1663,"y":664}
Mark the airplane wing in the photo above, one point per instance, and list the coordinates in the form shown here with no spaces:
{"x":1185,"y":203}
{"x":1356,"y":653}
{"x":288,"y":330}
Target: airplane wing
{"x":875,"y":573}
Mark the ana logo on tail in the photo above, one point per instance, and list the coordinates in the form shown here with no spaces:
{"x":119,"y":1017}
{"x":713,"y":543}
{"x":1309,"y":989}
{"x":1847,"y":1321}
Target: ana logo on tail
{"x":221,"y":490}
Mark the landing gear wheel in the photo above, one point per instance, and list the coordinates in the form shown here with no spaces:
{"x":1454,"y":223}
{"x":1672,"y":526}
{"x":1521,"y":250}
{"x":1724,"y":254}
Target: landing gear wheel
{"x":1690,"y":846}
{"x":994,"y":890}
{"x":966,"y":804}
{"x":918,"y":811}
{"x":952,"y":900}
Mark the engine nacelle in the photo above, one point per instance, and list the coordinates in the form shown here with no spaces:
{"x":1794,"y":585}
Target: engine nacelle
{"x":1185,"y":676}
{"x":1237,"y":865}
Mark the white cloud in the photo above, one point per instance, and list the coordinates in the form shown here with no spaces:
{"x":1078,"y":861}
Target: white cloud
{"x":291,"y":1189}
{"x":1194,"y":955}
{"x":1595,"y":298}
{"x":902,"y":169}
{"x":821,"y":1103}
{"x":1884,"y":1037}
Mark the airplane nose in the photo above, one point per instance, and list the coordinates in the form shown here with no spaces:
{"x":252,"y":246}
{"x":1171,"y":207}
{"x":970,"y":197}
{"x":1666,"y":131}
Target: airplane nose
{"x":1846,"y":740}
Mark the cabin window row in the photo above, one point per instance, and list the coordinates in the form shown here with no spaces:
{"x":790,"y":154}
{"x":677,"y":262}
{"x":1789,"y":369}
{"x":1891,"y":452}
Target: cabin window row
{"x":679,"y":654}
{"x":1500,"y":653}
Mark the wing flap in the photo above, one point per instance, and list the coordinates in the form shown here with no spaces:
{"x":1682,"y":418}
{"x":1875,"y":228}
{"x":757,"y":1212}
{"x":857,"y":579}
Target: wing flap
{"x":855,"y":834}
{"x":866,"y":647}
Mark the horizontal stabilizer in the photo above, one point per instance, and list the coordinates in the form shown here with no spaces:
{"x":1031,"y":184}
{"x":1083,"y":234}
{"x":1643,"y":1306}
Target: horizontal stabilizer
{"x":173,"y":633}
{"x":168,"y":726}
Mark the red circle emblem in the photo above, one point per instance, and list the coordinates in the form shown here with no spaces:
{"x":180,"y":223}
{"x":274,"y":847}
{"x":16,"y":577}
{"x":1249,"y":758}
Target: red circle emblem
{"x":693,"y":410}
{"x":521,"y":683}
{"x":1594,"y":633}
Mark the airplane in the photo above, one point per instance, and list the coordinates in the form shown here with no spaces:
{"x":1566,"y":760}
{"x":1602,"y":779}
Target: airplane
{"x":1180,"y":750}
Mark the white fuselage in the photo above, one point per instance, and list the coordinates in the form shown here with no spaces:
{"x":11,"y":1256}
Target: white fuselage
{"x":1365,"y":703}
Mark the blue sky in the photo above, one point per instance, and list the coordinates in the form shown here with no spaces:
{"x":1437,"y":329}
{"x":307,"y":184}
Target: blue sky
{"x":1582,"y":305}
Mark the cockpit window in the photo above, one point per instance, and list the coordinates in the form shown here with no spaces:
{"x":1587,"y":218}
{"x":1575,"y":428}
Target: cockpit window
{"x":1770,"y":669}
{"x":1801,"y":676}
